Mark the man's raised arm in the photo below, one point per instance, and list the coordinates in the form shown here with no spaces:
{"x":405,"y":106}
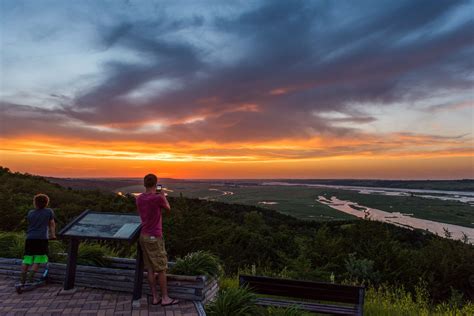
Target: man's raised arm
{"x":165,"y":204}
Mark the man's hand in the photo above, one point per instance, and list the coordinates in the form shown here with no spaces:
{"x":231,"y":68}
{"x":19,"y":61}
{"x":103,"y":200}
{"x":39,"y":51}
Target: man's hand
{"x":167,"y":204}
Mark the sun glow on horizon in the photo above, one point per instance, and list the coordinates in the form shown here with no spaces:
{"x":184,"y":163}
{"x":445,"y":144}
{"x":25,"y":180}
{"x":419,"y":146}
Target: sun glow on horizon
{"x":397,"y":157}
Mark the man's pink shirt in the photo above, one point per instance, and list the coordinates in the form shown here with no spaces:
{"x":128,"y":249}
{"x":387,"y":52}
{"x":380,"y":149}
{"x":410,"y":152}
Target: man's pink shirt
{"x":149,"y":207}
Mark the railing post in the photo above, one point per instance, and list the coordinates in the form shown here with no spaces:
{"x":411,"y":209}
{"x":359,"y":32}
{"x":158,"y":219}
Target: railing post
{"x":71,"y":264}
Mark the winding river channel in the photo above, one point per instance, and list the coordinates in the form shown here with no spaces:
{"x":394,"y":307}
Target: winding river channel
{"x":397,"y":218}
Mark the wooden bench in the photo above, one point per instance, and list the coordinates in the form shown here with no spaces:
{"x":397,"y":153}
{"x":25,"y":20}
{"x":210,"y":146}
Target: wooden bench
{"x":350,"y":298}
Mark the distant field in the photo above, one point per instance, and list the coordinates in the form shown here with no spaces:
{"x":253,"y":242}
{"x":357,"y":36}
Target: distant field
{"x":295,"y":201}
{"x":300,"y":201}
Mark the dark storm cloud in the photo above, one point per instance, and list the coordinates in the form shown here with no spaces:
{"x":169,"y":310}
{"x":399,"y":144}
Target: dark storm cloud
{"x":295,"y":61}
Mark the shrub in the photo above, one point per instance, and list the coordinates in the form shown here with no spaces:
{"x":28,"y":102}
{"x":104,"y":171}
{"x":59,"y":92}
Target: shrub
{"x":56,"y":249}
{"x":233,"y":302}
{"x":198,"y":263}
{"x":389,"y":301}
{"x":94,"y":254}
{"x":232,"y":283}
{"x":228,"y":283}
{"x":289,"y":311}
{"x":12,"y":245}
{"x":360,"y":270}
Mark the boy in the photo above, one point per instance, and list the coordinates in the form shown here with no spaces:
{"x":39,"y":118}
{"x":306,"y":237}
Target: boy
{"x":40,"y":220}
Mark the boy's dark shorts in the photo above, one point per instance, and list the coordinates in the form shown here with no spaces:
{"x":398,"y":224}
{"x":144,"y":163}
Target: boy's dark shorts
{"x":36,"y":251}
{"x":154,"y":253}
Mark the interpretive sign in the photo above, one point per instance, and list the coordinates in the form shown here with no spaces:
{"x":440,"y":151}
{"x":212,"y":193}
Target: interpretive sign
{"x":108,"y":226}
{"x":102,"y":226}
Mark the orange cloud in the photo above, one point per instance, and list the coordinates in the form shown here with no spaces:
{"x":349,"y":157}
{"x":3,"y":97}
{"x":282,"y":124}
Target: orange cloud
{"x":321,"y":156}
{"x":279,"y":91}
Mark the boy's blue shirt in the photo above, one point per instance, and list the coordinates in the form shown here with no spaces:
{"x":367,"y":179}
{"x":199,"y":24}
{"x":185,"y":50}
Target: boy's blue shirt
{"x":38,"y":223}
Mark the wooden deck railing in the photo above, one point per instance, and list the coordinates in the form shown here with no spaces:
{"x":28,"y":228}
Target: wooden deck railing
{"x":120,"y":276}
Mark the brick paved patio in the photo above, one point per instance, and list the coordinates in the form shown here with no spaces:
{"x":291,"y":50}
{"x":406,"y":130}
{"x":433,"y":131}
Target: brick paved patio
{"x":86,"y":301}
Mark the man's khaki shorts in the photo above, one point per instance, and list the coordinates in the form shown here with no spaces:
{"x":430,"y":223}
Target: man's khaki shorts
{"x":154,"y":253}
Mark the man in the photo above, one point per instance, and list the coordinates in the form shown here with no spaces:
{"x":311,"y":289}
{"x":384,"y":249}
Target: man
{"x":150,"y":205}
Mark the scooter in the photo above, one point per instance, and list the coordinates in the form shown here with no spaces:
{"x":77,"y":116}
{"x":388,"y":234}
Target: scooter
{"x":29,"y":286}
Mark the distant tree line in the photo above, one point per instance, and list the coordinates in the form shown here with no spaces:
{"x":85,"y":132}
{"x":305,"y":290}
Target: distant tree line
{"x":444,"y":185}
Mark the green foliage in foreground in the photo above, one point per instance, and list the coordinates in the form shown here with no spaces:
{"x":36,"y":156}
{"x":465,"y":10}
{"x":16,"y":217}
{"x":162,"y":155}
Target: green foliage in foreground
{"x":379,"y":301}
{"x":12,"y":245}
{"x":233,"y":302}
{"x":389,"y":301}
{"x":94,"y":254}
{"x":198,"y":263}
{"x":289,"y":311}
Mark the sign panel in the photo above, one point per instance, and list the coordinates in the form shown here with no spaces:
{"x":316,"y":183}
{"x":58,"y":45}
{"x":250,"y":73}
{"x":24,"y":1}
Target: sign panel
{"x":97,"y":225}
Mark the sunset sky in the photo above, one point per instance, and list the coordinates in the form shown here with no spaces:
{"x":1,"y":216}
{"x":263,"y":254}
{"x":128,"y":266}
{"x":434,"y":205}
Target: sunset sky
{"x":238,"y":89}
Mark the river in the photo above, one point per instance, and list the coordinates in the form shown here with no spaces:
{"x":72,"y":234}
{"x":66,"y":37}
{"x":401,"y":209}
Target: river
{"x":399,"y":219}
{"x":461,"y":196}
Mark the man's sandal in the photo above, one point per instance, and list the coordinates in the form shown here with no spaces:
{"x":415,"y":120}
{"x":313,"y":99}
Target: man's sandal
{"x":173,"y":302}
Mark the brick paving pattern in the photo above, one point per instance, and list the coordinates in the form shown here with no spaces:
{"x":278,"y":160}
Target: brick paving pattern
{"x":45,"y":301}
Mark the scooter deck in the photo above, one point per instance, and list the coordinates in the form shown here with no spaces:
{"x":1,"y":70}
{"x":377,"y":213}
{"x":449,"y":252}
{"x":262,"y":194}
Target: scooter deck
{"x":29,"y":286}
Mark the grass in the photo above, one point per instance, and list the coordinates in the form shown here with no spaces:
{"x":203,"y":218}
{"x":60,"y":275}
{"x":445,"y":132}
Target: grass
{"x":289,"y":311}
{"x":386,"y":301}
{"x":92,"y":254}
{"x":300,"y":201}
{"x":233,"y":302}
{"x":12,"y":245}
{"x":198,"y":263}
{"x":296,"y":201}
{"x":381,"y":301}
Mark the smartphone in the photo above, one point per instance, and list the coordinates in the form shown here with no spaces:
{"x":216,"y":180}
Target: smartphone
{"x":159,"y":187}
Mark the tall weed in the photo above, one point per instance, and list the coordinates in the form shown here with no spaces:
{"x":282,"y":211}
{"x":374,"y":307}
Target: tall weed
{"x":198,"y":263}
{"x":94,"y":255}
{"x":390,"y":301}
{"x":233,"y":302}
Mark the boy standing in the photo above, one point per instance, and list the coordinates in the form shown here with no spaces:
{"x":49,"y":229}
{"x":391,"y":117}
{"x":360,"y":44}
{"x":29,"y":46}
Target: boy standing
{"x":150,"y":205}
{"x":40,"y":220}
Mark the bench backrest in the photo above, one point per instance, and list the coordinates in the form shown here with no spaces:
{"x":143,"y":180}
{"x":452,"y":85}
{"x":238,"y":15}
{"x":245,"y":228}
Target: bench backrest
{"x":304,"y":289}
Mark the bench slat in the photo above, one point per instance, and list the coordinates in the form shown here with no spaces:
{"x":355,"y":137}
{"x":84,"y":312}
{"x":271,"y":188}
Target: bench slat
{"x":303,"y":289}
{"x":314,"y":307}
{"x":319,"y":291}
